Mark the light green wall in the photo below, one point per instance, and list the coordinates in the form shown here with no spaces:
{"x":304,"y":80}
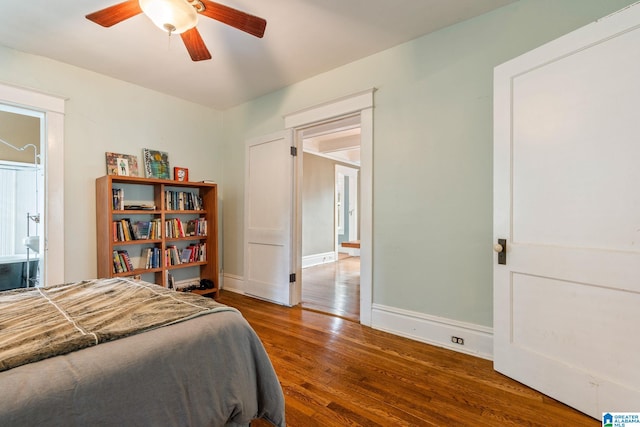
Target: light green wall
{"x":318,"y":205}
{"x":432,"y":189}
{"x":432,"y":167}
{"x":105,"y":114}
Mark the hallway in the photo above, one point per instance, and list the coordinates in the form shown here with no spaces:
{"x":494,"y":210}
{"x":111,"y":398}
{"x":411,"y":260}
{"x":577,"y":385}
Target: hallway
{"x":333,"y":288}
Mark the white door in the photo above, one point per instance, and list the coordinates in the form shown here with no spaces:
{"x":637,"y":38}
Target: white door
{"x":268,"y":217}
{"x":567,"y":201}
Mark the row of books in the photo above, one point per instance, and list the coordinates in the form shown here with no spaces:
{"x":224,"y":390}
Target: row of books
{"x":118,"y":204}
{"x":177,"y":228}
{"x":122,"y":262}
{"x":182,"y":201}
{"x":151,"y":257}
{"x":192,"y":253}
{"x":174,"y":200}
{"x":125,"y":230}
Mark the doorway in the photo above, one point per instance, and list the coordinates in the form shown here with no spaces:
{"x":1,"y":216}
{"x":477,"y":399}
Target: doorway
{"x":21,"y":197}
{"x":361,"y":105}
{"x":330,"y":278}
{"x":50,"y":110}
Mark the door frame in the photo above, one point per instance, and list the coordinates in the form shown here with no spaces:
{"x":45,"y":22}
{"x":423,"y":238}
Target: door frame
{"x":52,"y":152}
{"x":359,"y":103}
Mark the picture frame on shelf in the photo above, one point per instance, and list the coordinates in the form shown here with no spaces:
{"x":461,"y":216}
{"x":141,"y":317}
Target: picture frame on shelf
{"x":180,"y":174}
{"x":121,"y":164}
{"x":156,"y":164}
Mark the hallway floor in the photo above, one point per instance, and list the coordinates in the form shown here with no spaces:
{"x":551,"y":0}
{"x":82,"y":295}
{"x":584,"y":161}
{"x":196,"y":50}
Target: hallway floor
{"x":333,"y":288}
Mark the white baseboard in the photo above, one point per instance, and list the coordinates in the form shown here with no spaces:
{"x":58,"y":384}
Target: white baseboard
{"x":478,"y":339}
{"x":350,"y":251}
{"x":434,"y":330}
{"x":233,"y":283}
{"x":317,"y":259}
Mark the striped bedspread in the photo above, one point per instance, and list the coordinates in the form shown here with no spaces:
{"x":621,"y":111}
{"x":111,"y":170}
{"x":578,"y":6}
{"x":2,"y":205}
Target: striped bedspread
{"x":38,"y":323}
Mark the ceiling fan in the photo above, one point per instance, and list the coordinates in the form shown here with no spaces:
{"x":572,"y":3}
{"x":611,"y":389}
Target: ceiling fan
{"x":181,"y":17}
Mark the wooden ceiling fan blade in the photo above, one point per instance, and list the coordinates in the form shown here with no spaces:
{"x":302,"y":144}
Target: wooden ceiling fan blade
{"x":235,"y":18}
{"x":195,"y":45}
{"x":116,"y":13}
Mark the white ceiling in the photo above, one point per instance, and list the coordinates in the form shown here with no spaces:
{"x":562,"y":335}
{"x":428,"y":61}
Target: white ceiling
{"x":303,"y":38}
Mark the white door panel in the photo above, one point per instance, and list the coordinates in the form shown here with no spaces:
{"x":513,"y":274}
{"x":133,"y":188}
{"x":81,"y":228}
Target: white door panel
{"x":268,"y":217}
{"x":558,"y":126}
{"x":566,"y":150}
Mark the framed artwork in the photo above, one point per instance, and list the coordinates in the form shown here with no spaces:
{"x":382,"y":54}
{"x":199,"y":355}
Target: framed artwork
{"x":156,"y":164}
{"x":180,"y":174}
{"x":121,"y":164}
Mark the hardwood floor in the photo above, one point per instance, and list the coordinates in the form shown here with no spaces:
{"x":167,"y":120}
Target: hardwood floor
{"x":333,"y":288}
{"x":336,"y":372}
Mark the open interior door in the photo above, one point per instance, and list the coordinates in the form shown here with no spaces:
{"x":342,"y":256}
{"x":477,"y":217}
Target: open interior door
{"x":567,"y":203}
{"x":268,"y":217}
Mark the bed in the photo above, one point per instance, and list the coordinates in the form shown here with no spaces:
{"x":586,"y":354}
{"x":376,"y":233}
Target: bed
{"x":129,"y":353}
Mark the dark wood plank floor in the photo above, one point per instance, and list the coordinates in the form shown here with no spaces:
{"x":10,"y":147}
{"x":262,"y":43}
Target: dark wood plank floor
{"x":333,"y":288}
{"x":336,"y":372}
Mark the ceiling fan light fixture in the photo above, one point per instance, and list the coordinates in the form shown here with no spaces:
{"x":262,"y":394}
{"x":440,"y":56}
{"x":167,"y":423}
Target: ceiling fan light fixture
{"x":172,"y":16}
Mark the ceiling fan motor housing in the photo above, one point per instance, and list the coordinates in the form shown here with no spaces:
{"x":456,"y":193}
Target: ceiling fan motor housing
{"x":172,"y":16}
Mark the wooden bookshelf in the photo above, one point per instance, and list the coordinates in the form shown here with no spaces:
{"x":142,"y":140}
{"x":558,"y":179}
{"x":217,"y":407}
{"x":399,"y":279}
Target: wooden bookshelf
{"x":154,"y":192}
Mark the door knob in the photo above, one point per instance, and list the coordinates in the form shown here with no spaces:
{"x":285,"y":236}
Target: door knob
{"x":501,"y":249}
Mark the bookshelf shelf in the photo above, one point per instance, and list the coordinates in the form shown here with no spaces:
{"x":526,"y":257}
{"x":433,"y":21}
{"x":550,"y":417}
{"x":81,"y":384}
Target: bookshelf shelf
{"x":160,"y":193}
{"x":186,"y":264}
{"x":136,"y":242}
{"x":186,"y":238}
{"x":136,"y":212}
{"x":200,"y":212}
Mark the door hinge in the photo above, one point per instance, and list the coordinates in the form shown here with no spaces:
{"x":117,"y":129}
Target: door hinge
{"x":294,"y":151}
{"x":292,"y":278}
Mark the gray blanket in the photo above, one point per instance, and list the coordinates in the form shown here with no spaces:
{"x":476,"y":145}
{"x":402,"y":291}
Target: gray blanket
{"x":197,"y":370}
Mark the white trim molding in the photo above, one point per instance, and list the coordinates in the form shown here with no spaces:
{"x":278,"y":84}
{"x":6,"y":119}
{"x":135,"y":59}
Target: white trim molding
{"x":52,"y":151}
{"x":434,"y":330}
{"x":233,"y":283}
{"x":353,"y":103}
{"x":318,"y":259}
{"x":358,"y":103}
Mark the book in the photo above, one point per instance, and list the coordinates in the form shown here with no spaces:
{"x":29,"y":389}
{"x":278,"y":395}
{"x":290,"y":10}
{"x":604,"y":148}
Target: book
{"x":145,"y":257}
{"x":171,"y":254}
{"x":121,"y":164}
{"x":185,"y":256}
{"x":141,"y":230}
{"x":156,"y":164}
{"x":191,"y":228}
{"x":140,"y":207}
{"x":117,"y":267}
{"x":117,"y":199}
{"x":125,"y":260}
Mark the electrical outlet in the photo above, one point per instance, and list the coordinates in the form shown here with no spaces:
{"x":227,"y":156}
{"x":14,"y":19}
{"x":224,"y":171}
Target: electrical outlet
{"x":457,"y":340}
